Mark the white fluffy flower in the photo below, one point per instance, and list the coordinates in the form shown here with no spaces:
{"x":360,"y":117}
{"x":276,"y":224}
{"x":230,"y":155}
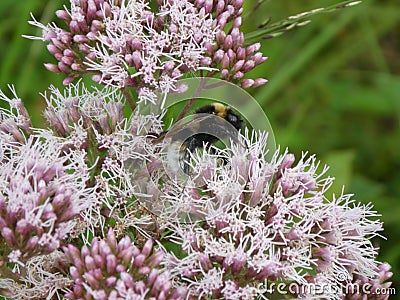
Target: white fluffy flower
{"x":270,"y":220}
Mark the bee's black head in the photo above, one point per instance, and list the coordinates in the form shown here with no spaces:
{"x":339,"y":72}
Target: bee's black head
{"x":234,"y":119}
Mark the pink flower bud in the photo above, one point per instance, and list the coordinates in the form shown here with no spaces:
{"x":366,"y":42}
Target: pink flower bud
{"x":112,"y":240}
{"x":91,"y":36}
{"x":238,"y":3}
{"x":83,"y":48}
{"x":89,"y":263}
{"x":169,"y":65}
{"x":222,"y":20}
{"x":92,"y":281}
{"x":106,"y":11}
{"x":111,"y":263}
{"x":259,"y":82}
{"x":97,"y":273}
{"x":137,"y":60}
{"x":156,"y":259}
{"x":111,"y":281}
{"x":237,"y":66}
{"x":57,"y":43}
{"x":83,"y":26}
{"x":90,"y":56}
{"x":205,"y":262}
{"x":63,"y":15}
{"x":91,"y":10}
{"x":127,"y":279}
{"x":248,"y":66}
{"x":221,"y":36}
{"x":225,"y":61}
{"x":124,"y":244}
{"x":145,"y":270}
{"x":74,"y":26}
{"x":237,"y":23}
{"x":96,"y":78}
{"x":96,"y":26}
{"x":75,"y":274}
{"x":238,"y":75}
{"x":8,"y":236}
{"x":220,"y":7}
{"x":179,"y":293}
{"x":139,"y":260}
{"x":173,"y":28}
{"x":228,"y":43}
{"x":120,"y":268}
{"x":241,"y":53}
{"x":99,"y":261}
{"x":69,"y":52}
{"x":152,"y":276}
{"x":63,"y":67}
{"x":67,"y":60}
{"x":235,"y":33}
{"x":68,"y":80}
{"x":253,"y":48}
{"x":147,"y":248}
{"x":2,"y":222}
{"x":247,"y":83}
{"x":104,"y":248}
{"x":76,"y":67}
{"x":176,"y":73}
{"x":209,"y":48}
{"x":208,"y":5}
{"x":58,"y":56}
{"x":53,"y":49}
{"x":52,"y":68}
{"x":80,"y":38}
{"x":218,"y":56}
{"x":78,"y":290}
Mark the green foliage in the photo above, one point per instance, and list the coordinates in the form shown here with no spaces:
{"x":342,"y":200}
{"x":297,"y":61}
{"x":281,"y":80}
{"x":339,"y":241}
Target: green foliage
{"x":334,"y":90}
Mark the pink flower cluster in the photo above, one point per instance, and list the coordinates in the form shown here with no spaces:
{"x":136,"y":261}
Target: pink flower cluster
{"x":119,"y":270}
{"x":41,"y":194}
{"x":126,"y":44}
{"x":267,"y":220}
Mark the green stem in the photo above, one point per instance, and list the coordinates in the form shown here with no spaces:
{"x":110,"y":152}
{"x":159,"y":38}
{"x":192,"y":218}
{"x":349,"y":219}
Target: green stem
{"x":128,"y":97}
{"x":196,"y":94}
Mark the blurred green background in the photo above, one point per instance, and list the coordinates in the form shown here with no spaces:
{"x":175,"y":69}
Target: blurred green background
{"x":334,"y":90}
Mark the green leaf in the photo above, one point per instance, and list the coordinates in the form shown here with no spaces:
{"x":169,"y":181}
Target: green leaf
{"x":341,"y":168}
{"x":268,"y":30}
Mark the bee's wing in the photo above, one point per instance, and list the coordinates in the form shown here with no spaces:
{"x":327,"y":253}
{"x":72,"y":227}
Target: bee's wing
{"x":201,"y":123}
{"x":183,"y":129}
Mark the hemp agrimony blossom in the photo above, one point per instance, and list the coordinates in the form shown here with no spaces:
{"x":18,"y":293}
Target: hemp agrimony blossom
{"x":126,"y":44}
{"x":41,"y":194}
{"x":92,"y":123}
{"x":89,"y":208}
{"x":119,"y":270}
{"x":15,"y":122}
{"x":269,"y":221}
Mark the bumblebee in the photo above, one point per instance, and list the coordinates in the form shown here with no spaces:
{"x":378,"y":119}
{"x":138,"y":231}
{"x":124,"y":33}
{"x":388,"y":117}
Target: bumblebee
{"x":210,"y":123}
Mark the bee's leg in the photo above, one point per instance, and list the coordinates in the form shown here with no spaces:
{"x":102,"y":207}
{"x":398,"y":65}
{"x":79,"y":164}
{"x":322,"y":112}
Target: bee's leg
{"x":186,"y":161}
{"x":189,"y":147}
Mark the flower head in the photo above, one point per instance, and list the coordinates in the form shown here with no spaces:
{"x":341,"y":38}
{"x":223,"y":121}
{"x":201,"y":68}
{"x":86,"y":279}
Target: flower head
{"x":126,"y":44}
{"x":114,"y":148}
{"x":109,"y":269}
{"x":270,"y":220}
{"x":41,"y":194}
{"x":15,"y":122}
